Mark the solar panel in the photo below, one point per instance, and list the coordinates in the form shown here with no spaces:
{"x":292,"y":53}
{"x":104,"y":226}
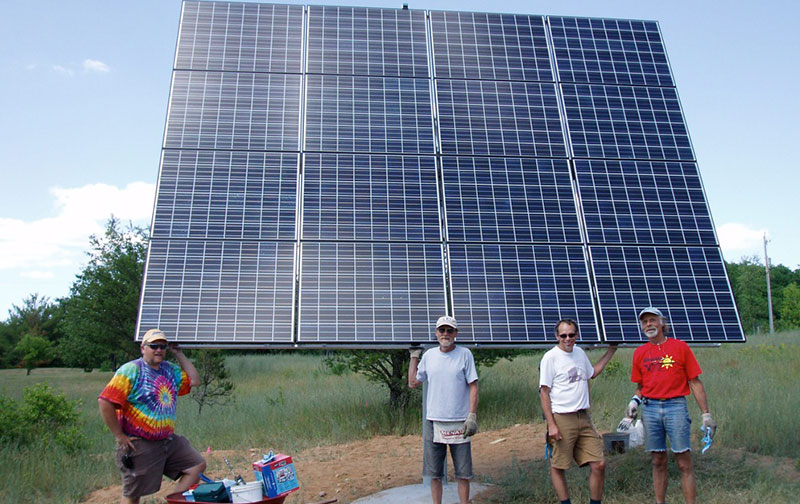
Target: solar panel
{"x":689,"y":284}
{"x":345,"y":175}
{"x":506,"y":293}
{"x":370,"y":292}
{"x":509,"y":200}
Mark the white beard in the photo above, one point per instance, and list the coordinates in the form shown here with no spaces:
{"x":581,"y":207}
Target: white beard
{"x":651,"y":332}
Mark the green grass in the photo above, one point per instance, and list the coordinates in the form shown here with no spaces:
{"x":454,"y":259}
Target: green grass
{"x":289,"y":401}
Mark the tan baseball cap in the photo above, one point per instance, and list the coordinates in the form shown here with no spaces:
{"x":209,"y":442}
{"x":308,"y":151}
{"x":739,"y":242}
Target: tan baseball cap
{"x":448,"y":321}
{"x":154,"y":335}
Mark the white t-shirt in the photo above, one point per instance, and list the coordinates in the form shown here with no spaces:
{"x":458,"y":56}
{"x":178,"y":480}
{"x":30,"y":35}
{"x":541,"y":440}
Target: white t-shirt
{"x":449,"y":375}
{"x":567,"y":374}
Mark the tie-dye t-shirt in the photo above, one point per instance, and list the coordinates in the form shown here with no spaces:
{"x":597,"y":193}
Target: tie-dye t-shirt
{"x":147,"y":398}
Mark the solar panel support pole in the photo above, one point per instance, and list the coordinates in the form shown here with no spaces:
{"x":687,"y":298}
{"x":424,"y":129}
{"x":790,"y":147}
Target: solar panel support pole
{"x":769,"y":288}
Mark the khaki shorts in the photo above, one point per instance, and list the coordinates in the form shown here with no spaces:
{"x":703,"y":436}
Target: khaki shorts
{"x":151,"y":460}
{"x":579,"y":441}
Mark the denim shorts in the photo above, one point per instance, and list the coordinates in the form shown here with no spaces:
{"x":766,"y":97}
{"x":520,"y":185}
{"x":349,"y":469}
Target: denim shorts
{"x":667,"y":417}
{"x":433,"y":455}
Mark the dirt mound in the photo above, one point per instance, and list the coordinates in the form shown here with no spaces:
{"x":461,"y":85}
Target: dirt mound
{"x":353,"y":470}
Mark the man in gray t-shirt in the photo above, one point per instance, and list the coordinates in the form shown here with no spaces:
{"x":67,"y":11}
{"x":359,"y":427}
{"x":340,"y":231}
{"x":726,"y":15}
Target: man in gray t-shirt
{"x":451,"y":406}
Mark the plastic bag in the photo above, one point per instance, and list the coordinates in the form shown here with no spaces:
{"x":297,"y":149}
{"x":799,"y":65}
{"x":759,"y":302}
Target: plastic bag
{"x":635,"y":430}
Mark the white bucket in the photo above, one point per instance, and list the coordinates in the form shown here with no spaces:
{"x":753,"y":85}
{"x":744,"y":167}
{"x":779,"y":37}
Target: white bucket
{"x":249,"y":492}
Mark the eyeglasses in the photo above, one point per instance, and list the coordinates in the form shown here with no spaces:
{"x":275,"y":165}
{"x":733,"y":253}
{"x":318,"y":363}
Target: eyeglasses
{"x":157,"y":346}
{"x":568,"y":335}
{"x":448,"y":330}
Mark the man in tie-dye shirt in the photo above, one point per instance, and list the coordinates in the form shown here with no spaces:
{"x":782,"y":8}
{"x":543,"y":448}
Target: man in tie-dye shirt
{"x":138,"y":406}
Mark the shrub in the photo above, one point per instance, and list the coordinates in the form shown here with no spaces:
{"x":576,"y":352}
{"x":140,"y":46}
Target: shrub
{"x":41,"y":416}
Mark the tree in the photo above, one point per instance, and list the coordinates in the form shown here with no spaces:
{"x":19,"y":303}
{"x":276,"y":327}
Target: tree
{"x":790,"y":309}
{"x":748,"y":280}
{"x":35,"y":351}
{"x":36,"y":316}
{"x":390,"y":368}
{"x":100,"y":314}
{"x":215,"y":386}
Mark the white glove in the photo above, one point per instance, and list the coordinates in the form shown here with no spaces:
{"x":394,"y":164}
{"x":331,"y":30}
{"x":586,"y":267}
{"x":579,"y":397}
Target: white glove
{"x":625,"y":424}
{"x":415,"y":352}
{"x":710,"y":424}
{"x":471,"y":425}
{"x":633,"y":407}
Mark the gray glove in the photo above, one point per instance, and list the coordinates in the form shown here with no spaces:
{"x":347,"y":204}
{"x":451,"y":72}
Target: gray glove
{"x":471,"y":425}
{"x":415,"y":352}
{"x":710,"y":424}
{"x":633,"y":407}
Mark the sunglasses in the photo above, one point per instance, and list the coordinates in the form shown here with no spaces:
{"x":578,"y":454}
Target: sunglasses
{"x":448,"y":330}
{"x":157,"y":346}
{"x":568,"y":335}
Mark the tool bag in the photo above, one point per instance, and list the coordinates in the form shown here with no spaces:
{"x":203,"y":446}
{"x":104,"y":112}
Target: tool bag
{"x":211,"y":492}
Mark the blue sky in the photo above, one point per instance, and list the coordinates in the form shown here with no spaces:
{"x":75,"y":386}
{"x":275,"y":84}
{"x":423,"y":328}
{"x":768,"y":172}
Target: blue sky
{"x":84,"y":88}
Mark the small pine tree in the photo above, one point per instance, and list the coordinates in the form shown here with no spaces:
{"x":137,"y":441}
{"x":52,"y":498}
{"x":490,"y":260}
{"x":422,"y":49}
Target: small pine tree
{"x":215,"y":387}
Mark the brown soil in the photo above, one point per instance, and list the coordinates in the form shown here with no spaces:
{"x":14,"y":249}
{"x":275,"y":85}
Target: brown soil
{"x":349,"y":471}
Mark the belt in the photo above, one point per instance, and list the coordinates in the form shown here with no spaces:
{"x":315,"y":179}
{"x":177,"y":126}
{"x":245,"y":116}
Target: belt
{"x":646,"y":400}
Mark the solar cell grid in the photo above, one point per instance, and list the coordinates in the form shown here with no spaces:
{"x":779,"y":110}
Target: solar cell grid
{"x":370,"y":292}
{"x":609,"y":51}
{"x":621,"y":122}
{"x":367,"y":41}
{"x":472,"y":45}
{"x":638,"y":202}
{"x":363,"y":197}
{"x":689,"y":284}
{"x":234,"y":110}
{"x":224,"y":194}
{"x":368,"y":114}
{"x":516,"y":293}
{"x":499,"y":118}
{"x":206,"y":291}
{"x":246,"y":37}
{"x":509,"y":200}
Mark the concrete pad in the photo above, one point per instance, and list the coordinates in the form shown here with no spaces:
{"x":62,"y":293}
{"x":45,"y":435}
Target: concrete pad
{"x":419,"y":494}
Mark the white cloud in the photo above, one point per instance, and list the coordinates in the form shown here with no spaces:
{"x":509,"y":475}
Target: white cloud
{"x":737,"y":240}
{"x":35,"y":249}
{"x":90,"y":65}
{"x":62,"y":70}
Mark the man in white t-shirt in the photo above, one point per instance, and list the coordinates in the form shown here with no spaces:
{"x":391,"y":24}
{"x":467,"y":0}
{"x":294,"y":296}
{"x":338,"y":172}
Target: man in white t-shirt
{"x":451,"y":407}
{"x":564,"y":375}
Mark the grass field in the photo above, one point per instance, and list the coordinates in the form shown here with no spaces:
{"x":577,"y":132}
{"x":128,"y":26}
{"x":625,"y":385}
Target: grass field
{"x":289,"y":401}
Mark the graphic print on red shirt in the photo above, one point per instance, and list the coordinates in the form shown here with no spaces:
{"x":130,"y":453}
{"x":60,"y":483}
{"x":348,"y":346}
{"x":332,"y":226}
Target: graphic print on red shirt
{"x":664,"y":370}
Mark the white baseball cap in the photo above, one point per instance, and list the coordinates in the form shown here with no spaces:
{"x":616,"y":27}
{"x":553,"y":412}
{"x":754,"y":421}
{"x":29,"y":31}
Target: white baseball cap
{"x":448,"y":321}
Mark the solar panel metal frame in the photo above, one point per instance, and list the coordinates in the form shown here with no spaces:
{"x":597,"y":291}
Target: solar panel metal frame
{"x":596,"y":92}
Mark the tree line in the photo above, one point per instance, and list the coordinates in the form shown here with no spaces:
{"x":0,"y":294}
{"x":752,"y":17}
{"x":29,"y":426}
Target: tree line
{"x":93,"y":326}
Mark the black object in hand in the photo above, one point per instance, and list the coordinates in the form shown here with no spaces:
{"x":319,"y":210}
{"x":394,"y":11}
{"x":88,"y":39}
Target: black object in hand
{"x":127,"y":461}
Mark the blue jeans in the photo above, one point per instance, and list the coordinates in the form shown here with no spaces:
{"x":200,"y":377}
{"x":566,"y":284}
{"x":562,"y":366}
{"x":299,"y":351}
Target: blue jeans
{"x":667,"y":417}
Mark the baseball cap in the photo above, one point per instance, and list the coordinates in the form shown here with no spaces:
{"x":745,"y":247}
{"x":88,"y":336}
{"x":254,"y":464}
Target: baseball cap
{"x":448,"y":321}
{"x":153,"y":335}
{"x":651,"y":310}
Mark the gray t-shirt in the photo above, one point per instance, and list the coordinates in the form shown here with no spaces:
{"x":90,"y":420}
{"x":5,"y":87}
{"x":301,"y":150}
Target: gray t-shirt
{"x":449,"y":375}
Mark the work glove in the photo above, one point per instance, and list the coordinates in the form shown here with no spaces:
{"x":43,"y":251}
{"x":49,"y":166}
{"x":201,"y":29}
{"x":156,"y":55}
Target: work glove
{"x":709,"y":425}
{"x":415,"y":352}
{"x":470,"y":425}
{"x":633,"y":407}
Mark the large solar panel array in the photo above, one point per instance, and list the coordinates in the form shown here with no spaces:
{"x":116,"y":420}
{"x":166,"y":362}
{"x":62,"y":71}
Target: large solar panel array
{"x":340,"y":175}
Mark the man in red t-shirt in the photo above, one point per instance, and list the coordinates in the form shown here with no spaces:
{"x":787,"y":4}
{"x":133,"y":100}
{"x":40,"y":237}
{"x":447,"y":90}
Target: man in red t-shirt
{"x":665,"y":371}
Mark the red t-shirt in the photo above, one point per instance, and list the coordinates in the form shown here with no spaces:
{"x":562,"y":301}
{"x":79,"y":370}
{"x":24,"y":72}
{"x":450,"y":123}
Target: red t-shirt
{"x":664,"y":370}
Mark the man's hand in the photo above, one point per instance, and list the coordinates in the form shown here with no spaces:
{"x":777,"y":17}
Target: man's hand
{"x":124,"y":441}
{"x":471,"y":425}
{"x":553,"y":432}
{"x":633,"y":407}
{"x":415,"y":353}
{"x":709,"y":425}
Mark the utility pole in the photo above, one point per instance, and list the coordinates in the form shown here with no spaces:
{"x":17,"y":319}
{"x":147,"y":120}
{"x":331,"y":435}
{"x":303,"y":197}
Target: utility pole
{"x":769,"y":289}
